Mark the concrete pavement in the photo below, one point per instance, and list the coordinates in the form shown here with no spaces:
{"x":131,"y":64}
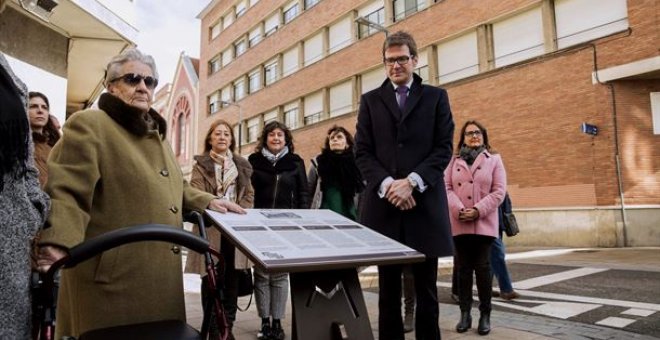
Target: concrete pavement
{"x":505,"y":325}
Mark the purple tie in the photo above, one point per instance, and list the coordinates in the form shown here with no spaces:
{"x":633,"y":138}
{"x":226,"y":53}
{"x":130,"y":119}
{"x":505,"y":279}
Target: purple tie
{"x":403,"y":95}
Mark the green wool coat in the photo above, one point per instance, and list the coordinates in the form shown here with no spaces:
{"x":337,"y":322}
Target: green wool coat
{"x":110,"y":171}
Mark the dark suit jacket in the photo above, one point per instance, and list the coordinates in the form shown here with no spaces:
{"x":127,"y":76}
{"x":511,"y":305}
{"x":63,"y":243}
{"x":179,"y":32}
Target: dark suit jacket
{"x":394,"y":143}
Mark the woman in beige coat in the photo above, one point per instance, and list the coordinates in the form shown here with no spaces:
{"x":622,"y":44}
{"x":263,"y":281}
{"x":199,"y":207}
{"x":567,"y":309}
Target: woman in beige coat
{"x":113,"y":169}
{"x":220,"y":172}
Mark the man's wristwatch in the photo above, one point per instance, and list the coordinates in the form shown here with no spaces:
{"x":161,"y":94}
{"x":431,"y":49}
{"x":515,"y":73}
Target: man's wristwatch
{"x":412,"y":182}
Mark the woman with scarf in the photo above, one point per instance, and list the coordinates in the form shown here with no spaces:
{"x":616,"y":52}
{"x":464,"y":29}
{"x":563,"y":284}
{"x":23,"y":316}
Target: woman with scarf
{"x":476,"y":184}
{"x":279,"y":182}
{"x":44,"y":132}
{"x":222,"y":173}
{"x":333,"y":177}
{"x":23,"y":206}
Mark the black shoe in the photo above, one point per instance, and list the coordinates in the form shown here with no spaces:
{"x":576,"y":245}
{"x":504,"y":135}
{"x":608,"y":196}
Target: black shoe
{"x":265,"y":333}
{"x":277,"y":333}
{"x":484,"y":323}
{"x":465,"y":323}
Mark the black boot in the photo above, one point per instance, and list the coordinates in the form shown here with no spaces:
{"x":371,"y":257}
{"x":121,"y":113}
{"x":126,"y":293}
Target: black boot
{"x":465,"y":323}
{"x":484,"y":323}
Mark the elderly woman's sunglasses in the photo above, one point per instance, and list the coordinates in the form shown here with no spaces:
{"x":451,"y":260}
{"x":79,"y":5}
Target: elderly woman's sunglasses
{"x":133,"y":79}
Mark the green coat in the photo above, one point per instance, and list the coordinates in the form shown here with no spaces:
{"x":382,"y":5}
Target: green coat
{"x":109,"y":171}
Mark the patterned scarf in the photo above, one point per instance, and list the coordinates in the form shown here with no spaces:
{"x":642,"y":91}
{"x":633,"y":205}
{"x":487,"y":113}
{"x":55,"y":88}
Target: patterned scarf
{"x":470,"y":154}
{"x":274,"y":158}
{"x":225,"y":174}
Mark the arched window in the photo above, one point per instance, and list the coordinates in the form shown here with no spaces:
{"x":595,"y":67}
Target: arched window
{"x":182,"y":113}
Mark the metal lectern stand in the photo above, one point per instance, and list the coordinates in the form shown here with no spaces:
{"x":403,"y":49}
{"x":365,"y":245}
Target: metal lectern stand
{"x":329,"y":305}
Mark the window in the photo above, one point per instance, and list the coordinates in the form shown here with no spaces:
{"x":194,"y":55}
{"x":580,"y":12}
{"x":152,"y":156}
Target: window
{"x":240,"y":47}
{"x":226,"y":57}
{"x":313,"y":108}
{"x":310,"y":3}
{"x":655,"y":112}
{"x":270,"y":117}
{"x":341,"y":99}
{"x":375,"y":13}
{"x":252,"y":129}
{"x":340,"y":34}
{"x":225,"y":94}
{"x":291,"y":115}
{"x":239,"y":90}
{"x":255,"y":36}
{"x":313,"y":49}
{"x":216,"y":29}
{"x":290,"y":11}
{"x":214,"y":103}
{"x":227,"y":20}
{"x":372,"y":79}
{"x":181,"y":135}
{"x":270,"y":72}
{"x":271,"y":23}
{"x":241,"y":8}
{"x":290,"y":61}
{"x":404,"y":8}
{"x":518,"y":38}
{"x":422,"y":69}
{"x":214,"y":65}
{"x":254,"y":81}
{"x":458,"y":58}
{"x":584,"y":20}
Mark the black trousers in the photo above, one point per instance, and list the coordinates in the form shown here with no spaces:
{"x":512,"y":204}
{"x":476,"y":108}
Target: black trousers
{"x":472,"y":255}
{"x":390,"y":323}
{"x":228,"y":283}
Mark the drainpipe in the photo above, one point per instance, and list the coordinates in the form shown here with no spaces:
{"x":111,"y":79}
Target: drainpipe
{"x":617,"y":157}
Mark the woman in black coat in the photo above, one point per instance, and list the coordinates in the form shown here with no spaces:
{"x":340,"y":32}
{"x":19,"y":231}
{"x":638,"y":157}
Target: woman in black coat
{"x":279,"y":182}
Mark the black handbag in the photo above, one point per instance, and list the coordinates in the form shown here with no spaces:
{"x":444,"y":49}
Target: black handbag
{"x":244,"y":286}
{"x":510,"y":225}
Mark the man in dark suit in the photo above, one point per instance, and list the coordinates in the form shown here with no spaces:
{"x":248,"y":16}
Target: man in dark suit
{"x":404,"y":142}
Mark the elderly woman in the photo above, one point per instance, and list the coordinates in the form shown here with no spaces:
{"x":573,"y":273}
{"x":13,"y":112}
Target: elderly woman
{"x":23,"y":206}
{"x":112,"y":169}
{"x":476,"y":185}
{"x":279,"y":182}
{"x":333,"y":177}
{"x":219,"y":172}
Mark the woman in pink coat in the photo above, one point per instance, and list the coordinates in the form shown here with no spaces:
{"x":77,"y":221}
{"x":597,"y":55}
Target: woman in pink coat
{"x":476,"y":185}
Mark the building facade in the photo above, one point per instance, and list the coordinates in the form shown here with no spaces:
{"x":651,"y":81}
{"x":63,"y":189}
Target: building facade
{"x":533,"y":71}
{"x":177,"y":103}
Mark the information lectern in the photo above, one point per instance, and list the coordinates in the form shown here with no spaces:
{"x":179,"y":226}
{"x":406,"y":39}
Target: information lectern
{"x":321,"y":250}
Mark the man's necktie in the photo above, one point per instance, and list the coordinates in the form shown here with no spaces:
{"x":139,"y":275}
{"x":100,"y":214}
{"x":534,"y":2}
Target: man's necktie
{"x":402,"y":91}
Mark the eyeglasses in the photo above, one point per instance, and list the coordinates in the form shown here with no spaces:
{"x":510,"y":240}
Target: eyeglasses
{"x":402,"y":60}
{"x":133,"y":79}
{"x":475,"y":133}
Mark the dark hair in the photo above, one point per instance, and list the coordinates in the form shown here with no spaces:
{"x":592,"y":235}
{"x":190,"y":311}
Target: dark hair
{"x":33,"y":94}
{"x":288,"y":137}
{"x":51,"y":133}
{"x":400,"y":38}
{"x":336,"y":129}
{"x":214,"y":125}
{"x":484,"y":133}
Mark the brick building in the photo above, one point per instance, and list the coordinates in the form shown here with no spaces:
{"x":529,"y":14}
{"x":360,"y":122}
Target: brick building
{"x":533,"y":71}
{"x":177,"y":103}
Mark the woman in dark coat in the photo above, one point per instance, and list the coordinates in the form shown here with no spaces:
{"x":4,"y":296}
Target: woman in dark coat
{"x":333,"y":177}
{"x":279,"y":182}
